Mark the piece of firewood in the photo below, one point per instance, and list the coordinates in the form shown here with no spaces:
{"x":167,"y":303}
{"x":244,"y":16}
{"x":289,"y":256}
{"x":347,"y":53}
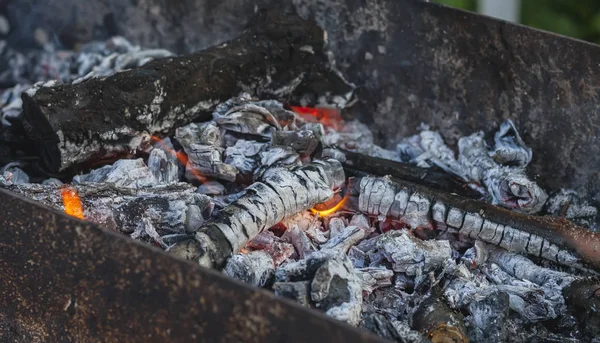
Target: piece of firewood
{"x":279,"y":56}
{"x":280,"y":193}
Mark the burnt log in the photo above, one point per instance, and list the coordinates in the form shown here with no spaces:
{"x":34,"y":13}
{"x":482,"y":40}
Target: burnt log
{"x":438,"y":322}
{"x":275,"y":56}
{"x":551,"y":238}
{"x":279,"y":194}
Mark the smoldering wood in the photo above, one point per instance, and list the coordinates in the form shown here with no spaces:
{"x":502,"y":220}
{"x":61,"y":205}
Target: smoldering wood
{"x":119,"y":112}
{"x":551,"y":238}
{"x":431,"y":177}
{"x":438,"y":322}
{"x":281,"y":193}
{"x":256,"y":268}
{"x":166,"y":208}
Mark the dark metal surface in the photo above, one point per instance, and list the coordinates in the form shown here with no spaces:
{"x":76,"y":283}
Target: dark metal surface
{"x":64,"y":280}
{"x":413,"y":62}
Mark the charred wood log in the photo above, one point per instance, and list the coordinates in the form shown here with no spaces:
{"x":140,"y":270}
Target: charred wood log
{"x":281,"y":193}
{"x":439,"y":322}
{"x":277,"y":55}
{"x":554,"y":239}
{"x":356,"y":163}
{"x":148,"y":213}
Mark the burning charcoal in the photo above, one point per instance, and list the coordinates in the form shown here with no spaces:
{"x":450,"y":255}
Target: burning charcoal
{"x":509,"y":148}
{"x":412,"y":256}
{"x":374,"y":277}
{"x":211,"y":188}
{"x":476,"y":255}
{"x":164,"y":171}
{"x":255,"y":268}
{"x":298,"y":291}
{"x":438,"y":322}
{"x":277,"y":157}
{"x":280,"y":251}
{"x":310,"y":224}
{"x":249,"y":118}
{"x":202,"y":144}
{"x":393,"y":330}
{"x":551,"y":239}
{"x":123,"y":173}
{"x":344,"y":240}
{"x":13,"y":175}
{"x":281,"y":193}
{"x":303,"y":142}
{"x":111,"y":121}
{"x":337,"y":290}
{"x":487,"y":318}
{"x":362,"y":222}
{"x":263,"y":240}
{"x":300,"y":241}
{"x":244,"y":155}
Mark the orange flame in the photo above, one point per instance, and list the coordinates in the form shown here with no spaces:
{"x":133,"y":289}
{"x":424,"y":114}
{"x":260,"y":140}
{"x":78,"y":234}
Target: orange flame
{"x":325,"y":115}
{"x":72,"y":202}
{"x":181,"y":157}
{"x":333,"y":209}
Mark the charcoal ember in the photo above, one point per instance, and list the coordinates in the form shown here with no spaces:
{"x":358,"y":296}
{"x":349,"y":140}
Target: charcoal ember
{"x":300,"y":241}
{"x":362,"y":222}
{"x":12,"y":174}
{"x":342,"y":242}
{"x":337,"y":290}
{"x":280,"y":251}
{"x":275,"y":64}
{"x":256,"y":268}
{"x":335,"y":154}
{"x":202,"y":144}
{"x":304,"y":142}
{"x":336,"y":225}
{"x":487,"y":318}
{"x":393,"y":330}
{"x":123,"y":173}
{"x":211,"y":188}
{"x":475,"y":256}
{"x":163,"y":169}
{"x":413,"y":256}
{"x":52,"y":181}
{"x":357,"y":137}
{"x":298,"y":291}
{"x":195,"y":216}
{"x":310,"y":224}
{"x":244,"y":155}
{"x":567,"y":203}
{"x":317,"y":129}
{"x":263,"y":240}
{"x":304,"y":269}
{"x":281,"y":193}
{"x":438,"y":322}
{"x":374,"y":277}
{"x":509,"y":147}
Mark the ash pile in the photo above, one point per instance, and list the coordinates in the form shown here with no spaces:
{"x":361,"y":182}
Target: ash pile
{"x":243,"y":163}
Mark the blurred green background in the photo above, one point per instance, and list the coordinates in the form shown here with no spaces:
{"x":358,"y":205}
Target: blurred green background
{"x":574,"y":18}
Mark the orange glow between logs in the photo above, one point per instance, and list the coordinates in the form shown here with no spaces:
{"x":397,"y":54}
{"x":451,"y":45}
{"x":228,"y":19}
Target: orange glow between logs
{"x":72,"y":202}
{"x":331,"y":210}
{"x":327,"y":116}
{"x":181,"y":157}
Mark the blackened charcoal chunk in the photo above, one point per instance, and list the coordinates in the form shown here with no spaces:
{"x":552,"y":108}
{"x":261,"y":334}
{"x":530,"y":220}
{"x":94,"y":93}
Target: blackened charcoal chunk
{"x":255,"y":268}
{"x":487,"y":318}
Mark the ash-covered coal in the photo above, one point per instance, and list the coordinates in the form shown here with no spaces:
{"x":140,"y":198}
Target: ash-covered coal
{"x":262,"y":192}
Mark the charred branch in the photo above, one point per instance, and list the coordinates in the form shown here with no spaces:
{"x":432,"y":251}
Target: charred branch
{"x":275,"y":56}
{"x":281,"y":193}
{"x":417,"y":206}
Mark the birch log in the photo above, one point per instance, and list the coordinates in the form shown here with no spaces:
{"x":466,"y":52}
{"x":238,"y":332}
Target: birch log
{"x":279,"y":194}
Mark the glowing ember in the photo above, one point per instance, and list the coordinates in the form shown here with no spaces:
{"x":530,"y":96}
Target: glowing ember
{"x":72,"y":202}
{"x":333,"y":209}
{"x":181,"y":157}
{"x":325,"y":115}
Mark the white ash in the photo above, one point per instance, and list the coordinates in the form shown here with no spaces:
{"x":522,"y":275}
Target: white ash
{"x":303,"y":142}
{"x":12,"y":174}
{"x":161,"y":166}
{"x":123,"y":173}
{"x":344,"y":240}
{"x":336,"y":225}
{"x":567,"y":203}
{"x":509,"y":148}
{"x":412,"y":256}
{"x":373,"y":278}
{"x":211,"y":188}
{"x":358,"y":257}
{"x":277,"y":157}
{"x":256,"y":268}
{"x":244,"y":155}
{"x":487,"y":319}
{"x":310,"y":224}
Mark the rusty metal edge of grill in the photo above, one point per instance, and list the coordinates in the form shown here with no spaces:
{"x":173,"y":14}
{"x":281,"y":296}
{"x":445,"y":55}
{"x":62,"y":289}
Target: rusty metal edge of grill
{"x":66,"y":280}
